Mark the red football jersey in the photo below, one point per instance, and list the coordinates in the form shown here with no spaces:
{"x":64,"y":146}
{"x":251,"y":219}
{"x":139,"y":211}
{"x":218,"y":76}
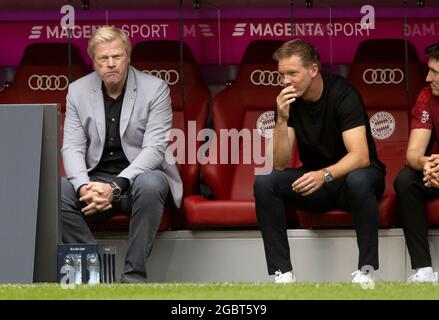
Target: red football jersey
{"x":425,"y":113}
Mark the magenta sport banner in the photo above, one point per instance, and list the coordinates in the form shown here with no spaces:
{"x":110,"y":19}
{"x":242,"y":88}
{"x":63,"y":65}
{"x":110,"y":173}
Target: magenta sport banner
{"x":223,"y":41}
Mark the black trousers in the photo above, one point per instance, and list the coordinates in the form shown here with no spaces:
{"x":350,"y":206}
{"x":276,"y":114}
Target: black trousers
{"x":411,"y":197}
{"x":357,"y":193}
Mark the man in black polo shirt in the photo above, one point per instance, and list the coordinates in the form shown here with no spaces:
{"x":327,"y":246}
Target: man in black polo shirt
{"x":324,"y":115}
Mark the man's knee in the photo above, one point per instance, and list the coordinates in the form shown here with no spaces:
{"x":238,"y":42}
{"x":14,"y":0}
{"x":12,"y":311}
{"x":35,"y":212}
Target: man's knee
{"x":153,"y":183}
{"x":66,"y":186}
{"x":68,"y":193}
{"x":358,"y":182}
{"x":405,"y":180}
{"x":263,"y":184}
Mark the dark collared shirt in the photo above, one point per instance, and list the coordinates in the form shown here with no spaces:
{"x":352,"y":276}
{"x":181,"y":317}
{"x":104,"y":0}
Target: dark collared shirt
{"x":113,"y":159}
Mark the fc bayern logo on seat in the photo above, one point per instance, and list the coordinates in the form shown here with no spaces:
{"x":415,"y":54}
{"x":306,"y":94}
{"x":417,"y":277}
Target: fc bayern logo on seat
{"x":265,"y":124}
{"x":382,"y":125}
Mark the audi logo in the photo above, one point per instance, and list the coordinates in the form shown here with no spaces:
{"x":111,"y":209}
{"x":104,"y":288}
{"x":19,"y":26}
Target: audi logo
{"x":48,"y":82}
{"x":266,"y":78}
{"x":170,"y":76}
{"x":383,"y":76}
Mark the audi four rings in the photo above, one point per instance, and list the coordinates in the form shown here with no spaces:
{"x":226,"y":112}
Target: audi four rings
{"x":48,"y":82}
{"x":170,"y":76}
{"x":266,"y":78}
{"x":383,"y":76}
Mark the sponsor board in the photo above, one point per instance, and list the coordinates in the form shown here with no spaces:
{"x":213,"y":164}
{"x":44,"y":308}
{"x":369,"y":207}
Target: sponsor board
{"x":337,"y":39}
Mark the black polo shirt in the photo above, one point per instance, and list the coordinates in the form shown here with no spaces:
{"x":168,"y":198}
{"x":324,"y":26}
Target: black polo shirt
{"x":113,"y":159}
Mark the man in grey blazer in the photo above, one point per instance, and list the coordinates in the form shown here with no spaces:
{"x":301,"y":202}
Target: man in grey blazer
{"x":115,"y":136}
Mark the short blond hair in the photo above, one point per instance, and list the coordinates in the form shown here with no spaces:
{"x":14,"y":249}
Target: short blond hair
{"x":107,"y":34}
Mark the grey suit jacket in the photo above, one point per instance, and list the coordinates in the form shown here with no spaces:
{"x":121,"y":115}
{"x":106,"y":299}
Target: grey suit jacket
{"x":145,"y":123}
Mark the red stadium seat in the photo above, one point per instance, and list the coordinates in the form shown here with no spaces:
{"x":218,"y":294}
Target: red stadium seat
{"x":190,"y":96}
{"x":190,"y":101}
{"x":381,"y":77}
{"x":433,"y":205}
{"x":433,"y":212}
{"x":239,"y":106}
{"x":43,"y":74}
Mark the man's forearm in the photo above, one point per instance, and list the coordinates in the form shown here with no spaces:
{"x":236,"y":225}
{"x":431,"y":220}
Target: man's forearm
{"x":282,"y":148}
{"x":416,"y":160}
{"x":351,"y":161}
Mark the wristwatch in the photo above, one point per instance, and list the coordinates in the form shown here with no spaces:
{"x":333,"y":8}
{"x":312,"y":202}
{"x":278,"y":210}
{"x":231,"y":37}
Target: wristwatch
{"x":327,"y":176}
{"x":115,"y":191}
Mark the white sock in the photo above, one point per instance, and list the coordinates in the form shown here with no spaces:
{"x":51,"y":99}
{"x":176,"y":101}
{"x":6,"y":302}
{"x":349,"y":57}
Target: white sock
{"x":425,"y":270}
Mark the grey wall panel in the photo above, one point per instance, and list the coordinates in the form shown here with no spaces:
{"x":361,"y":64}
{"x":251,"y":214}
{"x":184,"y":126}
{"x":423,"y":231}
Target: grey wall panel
{"x":238,"y":256}
{"x":20,"y":145}
{"x":48,"y":235}
{"x":29,"y":192}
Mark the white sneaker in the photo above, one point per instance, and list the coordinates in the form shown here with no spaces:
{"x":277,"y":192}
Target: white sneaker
{"x":286,"y":277}
{"x":423,"y":275}
{"x":366,"y":280}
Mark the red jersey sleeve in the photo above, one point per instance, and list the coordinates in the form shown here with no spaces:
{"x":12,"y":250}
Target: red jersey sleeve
{"x":421,"y":115}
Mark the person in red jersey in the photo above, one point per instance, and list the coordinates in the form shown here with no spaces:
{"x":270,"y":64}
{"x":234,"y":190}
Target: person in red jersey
{"x":419,"y":181}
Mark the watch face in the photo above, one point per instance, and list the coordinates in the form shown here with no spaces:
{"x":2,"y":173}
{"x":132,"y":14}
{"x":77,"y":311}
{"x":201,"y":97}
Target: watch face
{"x":328,"y":177}
{"x":115,"y":191}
